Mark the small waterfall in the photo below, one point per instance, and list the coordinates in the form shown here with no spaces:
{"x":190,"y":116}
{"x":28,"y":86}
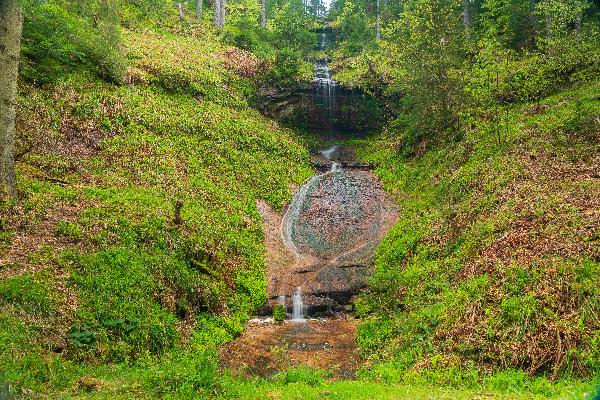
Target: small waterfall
{"x":335,"y":166}
{"x":282,"y":301}
{"x":328,"y":152}
{"x":324,"y":85}
{"x":298,"y":306}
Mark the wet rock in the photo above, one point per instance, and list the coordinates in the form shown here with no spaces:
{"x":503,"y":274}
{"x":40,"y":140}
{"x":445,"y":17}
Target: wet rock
{"x":329,"y":231}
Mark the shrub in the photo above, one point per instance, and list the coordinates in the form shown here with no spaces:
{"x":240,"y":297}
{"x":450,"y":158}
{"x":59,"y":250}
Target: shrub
{"x":56,"y":42}
{"x":279,"y":313}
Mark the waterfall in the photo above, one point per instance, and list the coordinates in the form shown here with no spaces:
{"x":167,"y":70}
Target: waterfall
{"x":298,"y":306}
{"x":292,"y":213}
{"x":324,"y":85}
{"x":282,"y":301}
{"x":328,"y":152}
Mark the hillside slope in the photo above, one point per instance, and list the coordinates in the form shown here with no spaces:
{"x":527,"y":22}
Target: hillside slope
{"x":495,"y":261}
{"x":135,"y":240}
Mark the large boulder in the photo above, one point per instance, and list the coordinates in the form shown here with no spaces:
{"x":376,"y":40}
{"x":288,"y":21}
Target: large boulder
{"x":328,"y":234}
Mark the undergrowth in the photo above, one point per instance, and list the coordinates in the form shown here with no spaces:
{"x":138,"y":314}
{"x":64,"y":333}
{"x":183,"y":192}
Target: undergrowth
{"x":493,"y":264}
{"x":135,"y":247}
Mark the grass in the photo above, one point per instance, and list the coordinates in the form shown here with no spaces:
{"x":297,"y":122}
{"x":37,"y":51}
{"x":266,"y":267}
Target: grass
{"x":369,"y":390}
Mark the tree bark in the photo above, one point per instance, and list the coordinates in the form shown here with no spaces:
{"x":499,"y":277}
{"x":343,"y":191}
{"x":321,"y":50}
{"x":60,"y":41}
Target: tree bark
{"x":223,"y":8}
{"x":11,"y":24}
{"x":180,"y":11}
{"x":263,"y":14}
{"x":217,"y":21}
{"x":378,"y":23}
{"x":199,"y":9}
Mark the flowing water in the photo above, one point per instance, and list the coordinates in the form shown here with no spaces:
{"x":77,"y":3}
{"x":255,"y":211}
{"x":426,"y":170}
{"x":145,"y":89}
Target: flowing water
{"x":324,"y":86}
{"x":320,"y":251}
{"x":298,"y":312}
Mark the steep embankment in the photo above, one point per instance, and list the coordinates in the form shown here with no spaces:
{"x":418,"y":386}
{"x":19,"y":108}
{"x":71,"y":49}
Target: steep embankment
{"x":136,"y":230}
{"x":495,"y":261}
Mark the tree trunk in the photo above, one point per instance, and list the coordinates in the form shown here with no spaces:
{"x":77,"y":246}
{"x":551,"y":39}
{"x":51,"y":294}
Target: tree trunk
{"x":263,"y":13}
{"x":223,"y":8}
{"x":466,"y":13}
{"x":378,"y":23}
{"x":217,"y":21}
{"x":199,"y":9}
{"x":11,"y":23}
{"x":180,"y":11}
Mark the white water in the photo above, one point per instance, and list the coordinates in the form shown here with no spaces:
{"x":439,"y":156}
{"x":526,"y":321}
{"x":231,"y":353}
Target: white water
{"x":293,"y":212}
{"x":324,"y":85}
{"x":328,"y":152}
{"x":298,"y":307}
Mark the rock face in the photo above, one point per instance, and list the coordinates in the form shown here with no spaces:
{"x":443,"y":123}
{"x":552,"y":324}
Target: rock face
{"x":327,"y":236}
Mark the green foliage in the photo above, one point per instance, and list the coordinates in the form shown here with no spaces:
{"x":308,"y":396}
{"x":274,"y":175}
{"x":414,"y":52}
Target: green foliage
{"x":57,"y":42}
{"x":183,"y":374}
{"x":279,"y":313}
{"x":307,"y":376}
{"x":288,"y":67}
{"x":118,"y":306}
{"x":435,"y":311}
{"x":69,"y":230}
{"x":508,"y":21}
{"x":354,"y":30}
{"x":28,"y":294}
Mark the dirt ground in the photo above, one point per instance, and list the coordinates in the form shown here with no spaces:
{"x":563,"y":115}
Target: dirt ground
{"x":267,"y":347}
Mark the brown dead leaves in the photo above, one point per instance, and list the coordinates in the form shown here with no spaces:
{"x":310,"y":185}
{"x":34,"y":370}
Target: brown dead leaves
{"x":242,"y":63}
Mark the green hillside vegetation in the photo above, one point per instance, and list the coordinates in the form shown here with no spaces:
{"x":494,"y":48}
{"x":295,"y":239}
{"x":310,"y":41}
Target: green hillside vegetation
{"x":135,"y":249}
{"x":494,"y":262}
{"x":137,"y":234}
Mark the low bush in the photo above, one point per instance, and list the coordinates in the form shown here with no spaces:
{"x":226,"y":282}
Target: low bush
{"x":279,"y":313}
{"x":56,"y":42}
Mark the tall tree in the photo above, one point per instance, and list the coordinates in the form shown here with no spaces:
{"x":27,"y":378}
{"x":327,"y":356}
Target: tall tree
{"x":199,"y":9}
{"x":223,"y":8}
{"x":432,"y":51}
{"x":219,"y":13}
{"x":378,"y":21}
{"x":180,"y":11}
{"x":11,"y":23}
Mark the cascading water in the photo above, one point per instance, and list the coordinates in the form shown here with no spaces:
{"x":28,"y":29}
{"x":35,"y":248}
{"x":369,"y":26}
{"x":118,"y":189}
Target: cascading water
{"x":328,"y":152}
{"x":324,"y":85}
{"x":293,"y":211}
{"x":298,"y":306}
{"x":324,"y":89}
